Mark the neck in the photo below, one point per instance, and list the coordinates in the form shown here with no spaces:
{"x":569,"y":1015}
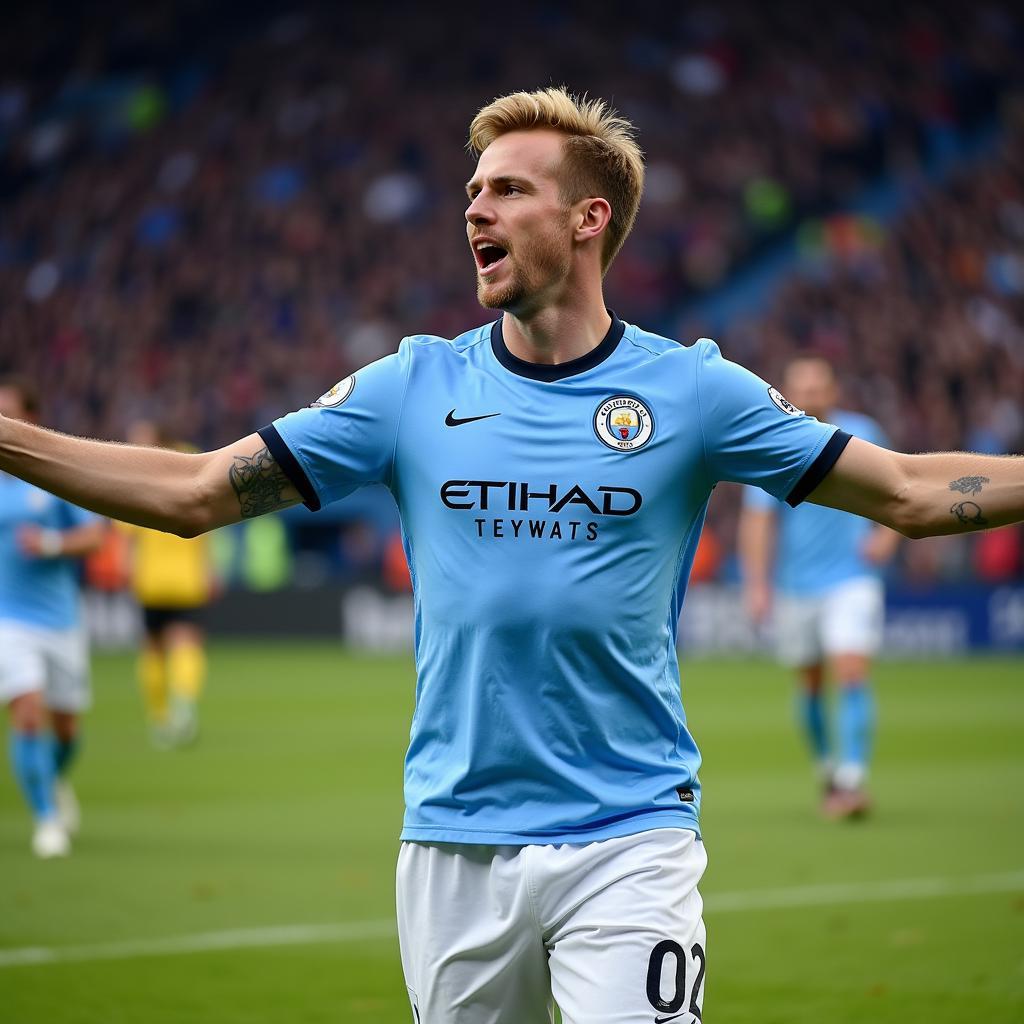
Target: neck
{"x":557,"y":333}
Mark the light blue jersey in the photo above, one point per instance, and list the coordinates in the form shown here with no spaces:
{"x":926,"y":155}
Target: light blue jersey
{"x":817,"y":547}
{"x":550,"y":516}
{"x":36,"y":591}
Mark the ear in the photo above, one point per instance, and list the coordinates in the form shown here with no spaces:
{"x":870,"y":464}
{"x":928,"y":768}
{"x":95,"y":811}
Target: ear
{"x":591,"y":217}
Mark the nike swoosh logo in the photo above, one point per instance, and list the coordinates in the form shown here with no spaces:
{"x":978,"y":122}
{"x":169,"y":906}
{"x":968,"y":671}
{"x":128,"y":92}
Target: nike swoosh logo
{"x":662,"y":1020}
{"x":451,"y":420}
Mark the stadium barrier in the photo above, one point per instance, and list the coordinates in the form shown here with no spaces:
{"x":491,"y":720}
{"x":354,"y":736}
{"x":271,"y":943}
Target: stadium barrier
{"x":919,"y":623}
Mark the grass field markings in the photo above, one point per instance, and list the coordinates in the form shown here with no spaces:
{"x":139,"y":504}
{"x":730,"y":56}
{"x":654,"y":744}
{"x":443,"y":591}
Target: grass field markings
{"x":354,"y":931}
{"x":856,"y":892}
{"x":202,"y":942}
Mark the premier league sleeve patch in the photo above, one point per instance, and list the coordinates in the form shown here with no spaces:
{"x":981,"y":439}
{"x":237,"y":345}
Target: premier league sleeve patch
{"x":336,"y":395}
{"x":783,"y":403}
{"x":623,"y":423}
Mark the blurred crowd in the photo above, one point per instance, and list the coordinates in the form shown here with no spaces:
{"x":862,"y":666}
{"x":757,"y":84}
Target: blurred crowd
{"x":207,"y":219}
{"x":925,"y":327}
{"x":924,"y":323}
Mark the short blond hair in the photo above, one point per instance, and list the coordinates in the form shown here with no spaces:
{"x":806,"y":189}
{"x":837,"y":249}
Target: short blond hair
{"x":602,"y":157}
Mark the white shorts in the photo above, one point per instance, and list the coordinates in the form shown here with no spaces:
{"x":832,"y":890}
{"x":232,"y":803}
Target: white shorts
{"x":848,"y":619}
{"x":53,"y":661}
{"x":611,"y":931}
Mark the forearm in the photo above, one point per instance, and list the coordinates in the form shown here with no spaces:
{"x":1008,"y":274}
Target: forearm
{"x":925,"y":495}
{"x":81,"y":541}
{"x":755,"y":546}
{"x":156,"y":487}
{"x":148,"y":486}
{"x":961,"y":492}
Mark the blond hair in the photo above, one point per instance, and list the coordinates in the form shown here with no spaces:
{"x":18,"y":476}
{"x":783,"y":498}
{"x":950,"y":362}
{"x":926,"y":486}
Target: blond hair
{"x":602,"y":157}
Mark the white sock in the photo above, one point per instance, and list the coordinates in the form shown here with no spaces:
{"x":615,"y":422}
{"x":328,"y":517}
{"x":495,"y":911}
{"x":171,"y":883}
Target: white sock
{"x":850,"y":775}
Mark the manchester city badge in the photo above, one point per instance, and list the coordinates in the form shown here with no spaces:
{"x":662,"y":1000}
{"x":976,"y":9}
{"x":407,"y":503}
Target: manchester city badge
{"x":623,"y":423}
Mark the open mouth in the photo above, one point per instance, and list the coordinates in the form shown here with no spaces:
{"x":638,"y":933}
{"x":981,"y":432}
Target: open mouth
{"x":489,"y":256}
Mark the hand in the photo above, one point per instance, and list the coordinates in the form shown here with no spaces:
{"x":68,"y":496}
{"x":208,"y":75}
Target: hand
{"x":36,"y":542}
{"x":758,"y":599}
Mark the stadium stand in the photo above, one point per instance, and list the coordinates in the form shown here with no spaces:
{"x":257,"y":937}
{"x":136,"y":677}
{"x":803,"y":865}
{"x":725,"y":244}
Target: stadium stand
{"x":205,"y":234}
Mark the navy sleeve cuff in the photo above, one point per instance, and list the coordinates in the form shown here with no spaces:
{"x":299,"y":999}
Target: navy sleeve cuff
{"x":819,"y":468}
{"x":290,"y":466}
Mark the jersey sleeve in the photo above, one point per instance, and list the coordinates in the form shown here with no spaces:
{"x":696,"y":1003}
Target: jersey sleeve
{"x":347,"y":437}
{"x":752,"y":435}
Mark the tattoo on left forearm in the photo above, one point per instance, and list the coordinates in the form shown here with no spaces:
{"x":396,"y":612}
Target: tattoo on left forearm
{"x":969,"y":513}
{"x":969,"y":484}
{"x":259,"y":483}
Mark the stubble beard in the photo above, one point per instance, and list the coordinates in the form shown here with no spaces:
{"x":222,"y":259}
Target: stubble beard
{"x":506,"y":296}
{"x":550,"y":263}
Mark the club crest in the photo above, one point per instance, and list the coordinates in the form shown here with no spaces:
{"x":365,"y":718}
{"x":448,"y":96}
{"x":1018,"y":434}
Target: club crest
{"x":623,"y":423}
{"x":336,"y":395}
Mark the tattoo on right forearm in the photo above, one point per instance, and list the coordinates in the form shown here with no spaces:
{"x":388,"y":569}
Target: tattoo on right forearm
{"x":969,"y":484}
{"x":969,"y":513}
{"x":259,"y":483}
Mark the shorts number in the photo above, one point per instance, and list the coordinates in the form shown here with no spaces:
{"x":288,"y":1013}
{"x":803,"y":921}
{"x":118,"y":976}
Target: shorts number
{"x":697,"y":952}
{"x":655,"y":970}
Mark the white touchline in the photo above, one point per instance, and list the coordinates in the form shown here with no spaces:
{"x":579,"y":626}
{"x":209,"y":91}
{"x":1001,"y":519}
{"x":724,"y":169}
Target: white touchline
{"x":202,"y":942}
{"x":355,"y":931}
{"x":857,"y":892}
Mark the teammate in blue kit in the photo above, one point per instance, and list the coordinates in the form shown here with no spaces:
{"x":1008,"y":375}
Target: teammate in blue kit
{"x":552,"y":470}
{"x":830,"y":606}
{"x":44,"y":669}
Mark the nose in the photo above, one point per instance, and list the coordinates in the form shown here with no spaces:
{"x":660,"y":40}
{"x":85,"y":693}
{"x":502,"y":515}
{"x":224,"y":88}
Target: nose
{"x":479,"y":211}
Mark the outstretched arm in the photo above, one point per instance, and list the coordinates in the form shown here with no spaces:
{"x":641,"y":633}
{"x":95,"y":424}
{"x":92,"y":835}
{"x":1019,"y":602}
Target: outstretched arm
{"x":756,"y":548}
{"x":166,"y":490}
{"x":925,"y":495}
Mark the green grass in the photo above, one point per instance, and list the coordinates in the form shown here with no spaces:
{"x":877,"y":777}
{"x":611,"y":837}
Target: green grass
{"x":288,"y":813}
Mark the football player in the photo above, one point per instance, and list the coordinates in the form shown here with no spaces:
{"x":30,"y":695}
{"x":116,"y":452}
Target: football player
{"x":830,"y":602}
{"x":44,"y":664}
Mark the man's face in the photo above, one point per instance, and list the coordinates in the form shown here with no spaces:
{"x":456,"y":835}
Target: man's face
{"x":810,"y":385}
{"x":11,"y":404}
{"x":517,"y":223}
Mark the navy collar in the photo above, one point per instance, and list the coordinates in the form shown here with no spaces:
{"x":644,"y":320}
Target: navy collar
{"x":559,"y":371}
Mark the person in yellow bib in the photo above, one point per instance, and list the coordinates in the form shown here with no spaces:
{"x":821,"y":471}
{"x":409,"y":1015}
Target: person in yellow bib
{"x":172,"y":579}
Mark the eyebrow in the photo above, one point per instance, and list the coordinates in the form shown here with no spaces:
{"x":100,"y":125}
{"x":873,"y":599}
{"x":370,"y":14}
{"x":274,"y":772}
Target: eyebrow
{"x":501,"y":179}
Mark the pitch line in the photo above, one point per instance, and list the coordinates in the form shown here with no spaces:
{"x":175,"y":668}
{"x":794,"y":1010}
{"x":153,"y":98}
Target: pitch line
{"x":860,"y":892}
{"x":357,"y":931}
{"x":202,"y":942}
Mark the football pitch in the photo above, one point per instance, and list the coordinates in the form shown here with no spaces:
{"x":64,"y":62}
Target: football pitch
{"x":250,"y":880}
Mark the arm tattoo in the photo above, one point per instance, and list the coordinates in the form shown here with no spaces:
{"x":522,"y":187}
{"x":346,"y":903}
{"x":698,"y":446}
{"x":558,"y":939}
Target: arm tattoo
{"x":969,"y":513}
{"x":968,"y":484}
{"x":259,"y":483}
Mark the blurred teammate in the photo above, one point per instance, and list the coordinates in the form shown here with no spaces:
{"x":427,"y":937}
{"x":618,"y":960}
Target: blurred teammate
{"x":552,"y":470}
{"x":830,"y":602}
{"x":171,"y":578}
{"x":44,"y":668}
